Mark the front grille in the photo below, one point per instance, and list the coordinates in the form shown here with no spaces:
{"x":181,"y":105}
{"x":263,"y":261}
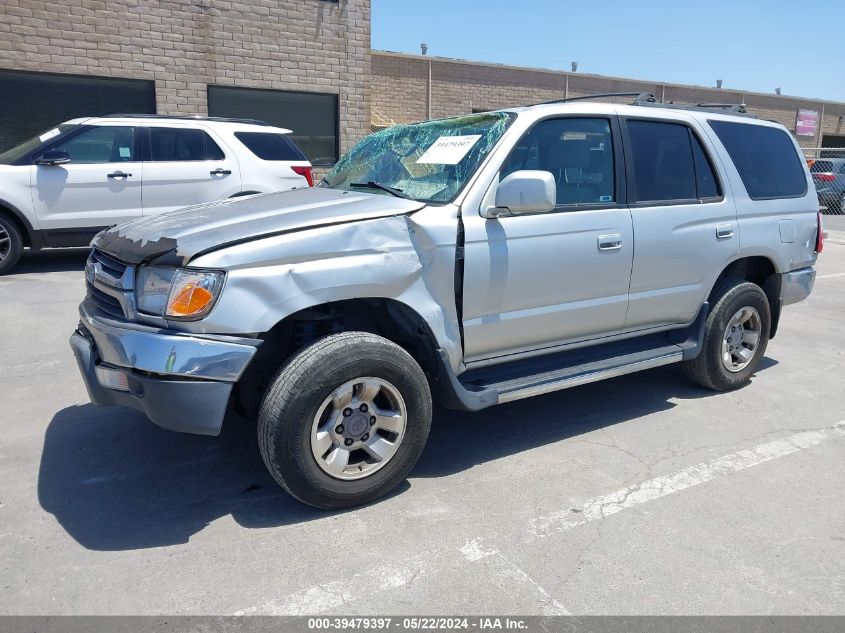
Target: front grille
{"x":105,"y":302}
{"x":110,"y":265}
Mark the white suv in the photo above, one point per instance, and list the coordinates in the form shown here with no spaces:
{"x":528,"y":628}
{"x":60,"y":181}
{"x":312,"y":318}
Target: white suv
{"x":62,"y":187}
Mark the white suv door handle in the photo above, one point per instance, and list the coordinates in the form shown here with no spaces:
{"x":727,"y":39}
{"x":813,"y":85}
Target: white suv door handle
{"x":118,"y":174}
{"x":611,"y":242}
{"x":724,"y":231}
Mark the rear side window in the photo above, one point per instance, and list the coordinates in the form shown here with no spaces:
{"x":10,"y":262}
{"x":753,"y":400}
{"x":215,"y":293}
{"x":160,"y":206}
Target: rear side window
{"x":669,"y":163}
{"x":765,"y":158}
{"x":180,"y":144}
{"x":268,"y":146}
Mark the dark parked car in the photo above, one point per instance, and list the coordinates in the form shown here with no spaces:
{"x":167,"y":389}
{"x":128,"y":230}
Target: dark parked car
{"x":829,"y":177}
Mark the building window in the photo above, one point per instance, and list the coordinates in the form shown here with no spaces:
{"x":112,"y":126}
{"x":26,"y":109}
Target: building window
{"x":312,"y":116}
{"x":33,"y":102}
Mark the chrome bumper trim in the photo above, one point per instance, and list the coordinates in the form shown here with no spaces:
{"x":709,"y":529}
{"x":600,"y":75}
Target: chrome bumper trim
{"x":168,"y":353}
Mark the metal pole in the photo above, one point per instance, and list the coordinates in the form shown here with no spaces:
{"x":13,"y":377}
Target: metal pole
{"x":566,"y":88}
{"x":820,"y":135}
{"x":428,"y":106}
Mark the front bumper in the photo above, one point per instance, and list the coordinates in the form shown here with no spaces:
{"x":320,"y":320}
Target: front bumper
{"x":797,"y":285}
{"x":181,"y":382}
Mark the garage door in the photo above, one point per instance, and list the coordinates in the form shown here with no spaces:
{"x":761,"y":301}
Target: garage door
{"x":33,"y":102}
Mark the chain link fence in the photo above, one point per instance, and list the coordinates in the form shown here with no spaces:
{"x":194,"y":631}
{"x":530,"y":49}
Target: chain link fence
{"x":827,"y":166}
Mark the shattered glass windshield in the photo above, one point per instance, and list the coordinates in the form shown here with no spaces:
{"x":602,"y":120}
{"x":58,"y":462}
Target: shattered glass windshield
{"x":428,"y":162}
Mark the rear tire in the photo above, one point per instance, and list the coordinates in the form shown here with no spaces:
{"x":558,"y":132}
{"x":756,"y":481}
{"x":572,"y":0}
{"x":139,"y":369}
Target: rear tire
{"x":736,"y":334}
{"x":369,"y":384}
{"x":11,"y":244}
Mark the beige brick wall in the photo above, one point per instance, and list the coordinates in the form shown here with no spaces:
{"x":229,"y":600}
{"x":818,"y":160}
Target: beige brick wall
{"x":184,"y":45}
{"x":400,"y":91}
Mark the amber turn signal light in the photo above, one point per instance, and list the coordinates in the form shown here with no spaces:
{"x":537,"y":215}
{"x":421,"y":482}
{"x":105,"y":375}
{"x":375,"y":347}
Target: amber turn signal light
{"x":190,"y":300}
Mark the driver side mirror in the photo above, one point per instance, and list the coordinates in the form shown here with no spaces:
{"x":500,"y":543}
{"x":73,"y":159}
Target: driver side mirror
{"x":525,"y":191}
{"x":53,"y":157}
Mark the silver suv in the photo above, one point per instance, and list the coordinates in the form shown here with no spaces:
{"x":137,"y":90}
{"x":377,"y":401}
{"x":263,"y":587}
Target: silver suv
{"x":475,"y":260}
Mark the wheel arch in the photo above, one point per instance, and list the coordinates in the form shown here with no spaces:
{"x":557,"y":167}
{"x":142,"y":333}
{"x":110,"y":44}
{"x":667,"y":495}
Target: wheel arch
{"x":28,"y":232}
{"x":390,"y":318}
{"x":760,"y":270}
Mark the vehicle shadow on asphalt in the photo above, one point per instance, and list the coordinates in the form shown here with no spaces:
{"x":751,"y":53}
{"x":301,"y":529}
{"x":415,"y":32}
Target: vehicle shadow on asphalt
{"x":51,"y":260}
{"x":115,"y":481}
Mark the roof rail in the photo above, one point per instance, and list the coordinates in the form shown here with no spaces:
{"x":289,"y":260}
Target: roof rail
{"x":603,"y":95}
{"x":185,"y":117}
{"x":727,"y":108}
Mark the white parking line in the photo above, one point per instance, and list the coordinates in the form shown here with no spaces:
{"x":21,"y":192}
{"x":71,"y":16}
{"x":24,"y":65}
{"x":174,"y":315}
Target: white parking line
{"x":361,"y":586}
{"x":651,"y":489}
{"x":830,"y":276}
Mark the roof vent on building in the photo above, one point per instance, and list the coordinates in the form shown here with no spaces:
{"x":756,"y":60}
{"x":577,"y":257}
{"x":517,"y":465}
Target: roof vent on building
{"x":574,"y":66}
{"x":718,"y":83}
{"x":424,"y":48}
{"x":777,"y":91}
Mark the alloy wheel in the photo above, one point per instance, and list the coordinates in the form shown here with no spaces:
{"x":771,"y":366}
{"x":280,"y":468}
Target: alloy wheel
{"x":358,"y":428}
{"x":741,"y":339}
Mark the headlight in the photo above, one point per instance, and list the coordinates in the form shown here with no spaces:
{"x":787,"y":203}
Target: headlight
{"x":178,"y":293}
{"x":153,"y":289}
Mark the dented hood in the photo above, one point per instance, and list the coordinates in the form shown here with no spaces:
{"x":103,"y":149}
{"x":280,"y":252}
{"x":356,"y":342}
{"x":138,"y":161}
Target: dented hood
{"x":179,"y":236}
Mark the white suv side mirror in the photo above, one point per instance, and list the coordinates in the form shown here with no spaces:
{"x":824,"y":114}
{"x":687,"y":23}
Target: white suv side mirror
{"x":525,"y":191}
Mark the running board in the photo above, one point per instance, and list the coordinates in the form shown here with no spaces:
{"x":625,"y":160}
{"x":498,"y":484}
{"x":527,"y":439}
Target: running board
{"x":582,"y":374}
{"x":482,"y":387}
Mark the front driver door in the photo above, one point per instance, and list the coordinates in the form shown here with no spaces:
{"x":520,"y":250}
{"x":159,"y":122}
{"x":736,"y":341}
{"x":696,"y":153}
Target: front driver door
{"x":535,"y":281}
{"x":99,"y":187}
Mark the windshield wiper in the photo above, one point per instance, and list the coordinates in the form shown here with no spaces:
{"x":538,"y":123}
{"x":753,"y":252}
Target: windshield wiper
{"x":371,"y":184}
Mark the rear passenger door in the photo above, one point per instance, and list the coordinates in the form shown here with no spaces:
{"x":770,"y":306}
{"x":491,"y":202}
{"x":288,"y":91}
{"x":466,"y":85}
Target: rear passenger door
{"x":185,"y":166}
{"x":685,"y":228}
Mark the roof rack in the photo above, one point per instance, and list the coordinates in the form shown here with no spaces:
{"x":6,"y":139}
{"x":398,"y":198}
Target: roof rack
{"x":728,"y":108}
{"x":649,"y":100}
{"x":602,"y":95}
{"x":186,"y":117}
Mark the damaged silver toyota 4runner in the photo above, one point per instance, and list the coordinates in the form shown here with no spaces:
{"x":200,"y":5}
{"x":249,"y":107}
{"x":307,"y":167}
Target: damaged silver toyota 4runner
{"x":475,"y":260}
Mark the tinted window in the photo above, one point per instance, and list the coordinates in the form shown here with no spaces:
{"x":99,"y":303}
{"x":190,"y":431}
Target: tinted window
{"x":33,"y":102}
{"x":765,"y":158}
{"x":180,"y":144}
{"x":312,"y":116}
{"x":706,"y":184}
{"x":101,"y":145}
{"x":664,"y":168}
{"x":577,"y":152}
{"x":270,"y":146}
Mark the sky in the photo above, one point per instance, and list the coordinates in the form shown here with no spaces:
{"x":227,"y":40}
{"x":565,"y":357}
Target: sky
{"x":752,"y":45}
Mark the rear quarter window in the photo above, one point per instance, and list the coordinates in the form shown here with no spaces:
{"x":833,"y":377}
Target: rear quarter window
{"x":765,"y":158}
{"x":269,"y":146}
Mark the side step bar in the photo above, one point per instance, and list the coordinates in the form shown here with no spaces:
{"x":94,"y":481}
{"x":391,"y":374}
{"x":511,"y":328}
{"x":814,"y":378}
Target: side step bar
{"x":477,"y":389}
{"x":583,"y":374}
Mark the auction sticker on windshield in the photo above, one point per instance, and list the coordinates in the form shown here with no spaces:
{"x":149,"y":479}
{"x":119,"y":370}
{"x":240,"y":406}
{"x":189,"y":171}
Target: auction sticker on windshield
{"x":448,"y":150}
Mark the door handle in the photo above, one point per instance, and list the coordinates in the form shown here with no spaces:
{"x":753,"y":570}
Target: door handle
{"x":220,"y":172}
{"x":724,"y":231}
{"x":118,"y":174}
{"x":611,"y":242}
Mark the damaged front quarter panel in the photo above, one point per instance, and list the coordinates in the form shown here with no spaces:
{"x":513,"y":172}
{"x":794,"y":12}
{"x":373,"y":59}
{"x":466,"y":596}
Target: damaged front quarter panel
{"x":409,"y":258}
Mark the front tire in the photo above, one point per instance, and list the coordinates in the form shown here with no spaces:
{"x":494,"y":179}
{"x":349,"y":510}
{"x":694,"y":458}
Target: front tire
{"x":736,"y":334}
{"x":345,"y":420}
{"x":11,"y":244}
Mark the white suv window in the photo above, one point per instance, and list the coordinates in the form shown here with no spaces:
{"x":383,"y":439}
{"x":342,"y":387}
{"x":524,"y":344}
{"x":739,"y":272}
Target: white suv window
{"x":102,"y":144}
{"x":169,"y":144}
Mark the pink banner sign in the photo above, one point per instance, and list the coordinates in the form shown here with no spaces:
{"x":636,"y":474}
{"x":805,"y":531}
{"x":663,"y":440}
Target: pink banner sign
{"x":807,"y":123}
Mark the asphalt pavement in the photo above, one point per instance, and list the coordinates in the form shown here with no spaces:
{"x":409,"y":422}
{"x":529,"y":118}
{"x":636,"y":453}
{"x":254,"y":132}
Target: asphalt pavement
{"x":638,"y":495}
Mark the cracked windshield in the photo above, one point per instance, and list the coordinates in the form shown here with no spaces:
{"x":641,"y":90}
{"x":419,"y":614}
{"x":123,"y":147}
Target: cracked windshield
{"x":429,"y":162}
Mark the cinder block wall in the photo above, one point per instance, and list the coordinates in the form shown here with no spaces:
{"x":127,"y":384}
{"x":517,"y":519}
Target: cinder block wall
{"x":185,"y":45}
{"x":400,"y":91}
